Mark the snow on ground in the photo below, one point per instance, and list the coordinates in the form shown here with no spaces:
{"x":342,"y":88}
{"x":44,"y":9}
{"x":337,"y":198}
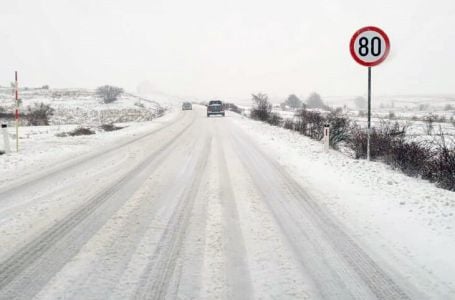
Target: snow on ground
{"x":83,"y":106}
{"x":40,"y":147}
{"x":382,"y":206}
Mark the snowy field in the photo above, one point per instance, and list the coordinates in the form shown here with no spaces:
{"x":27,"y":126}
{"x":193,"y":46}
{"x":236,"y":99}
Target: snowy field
{"x":83,"y":107}
{"x":408,"y":111}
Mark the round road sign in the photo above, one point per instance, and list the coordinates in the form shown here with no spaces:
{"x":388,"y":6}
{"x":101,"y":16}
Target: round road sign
{"x":369,"y":46}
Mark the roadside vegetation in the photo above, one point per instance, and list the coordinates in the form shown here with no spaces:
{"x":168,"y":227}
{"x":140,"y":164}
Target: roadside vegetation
{"x":430,"y":160}
{"x":77,"y":132}
{"x":39,"y":114}
{"x":109,"y":93}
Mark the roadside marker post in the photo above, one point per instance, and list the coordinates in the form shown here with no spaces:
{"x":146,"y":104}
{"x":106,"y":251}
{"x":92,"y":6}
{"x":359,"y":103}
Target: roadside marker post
{"x":369,"y":46}
{"x":6,"y":145}
{"x":326,"y":138}
{"x":17,"y":110}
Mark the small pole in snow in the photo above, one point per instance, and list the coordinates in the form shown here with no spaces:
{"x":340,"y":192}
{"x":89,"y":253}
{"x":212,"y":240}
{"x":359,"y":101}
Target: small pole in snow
{"x":5,"y":138}
{"x":326,"y":137}
{"x":17,"y":111}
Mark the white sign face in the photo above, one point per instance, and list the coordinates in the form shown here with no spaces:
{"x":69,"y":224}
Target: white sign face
{"x":369,"y":46}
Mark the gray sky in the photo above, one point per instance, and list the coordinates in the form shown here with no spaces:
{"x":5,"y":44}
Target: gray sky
{"x":227,"y":49}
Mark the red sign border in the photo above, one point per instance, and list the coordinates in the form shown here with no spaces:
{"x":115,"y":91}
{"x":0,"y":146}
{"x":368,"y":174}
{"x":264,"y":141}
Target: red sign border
{"x":359,"y":32}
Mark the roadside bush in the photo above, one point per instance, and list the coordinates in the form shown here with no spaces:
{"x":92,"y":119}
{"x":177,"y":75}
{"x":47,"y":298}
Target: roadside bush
{"x":443,"y":165}
{"x":81,"y":131}
{"x":311,"y":124}
{"x":275,"y":119}
{"x":410,"y":157}
{"x":110,"y":127}
{"x":382,"y":139}
{"x":262,"y":108}
{"x":38,"y":114}
{"x":109,"y":93}
{"x":289,"y":124}
{"x":339,"y":128}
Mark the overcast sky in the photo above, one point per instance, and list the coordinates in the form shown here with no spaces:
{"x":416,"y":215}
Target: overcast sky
{"x":227,"y":49}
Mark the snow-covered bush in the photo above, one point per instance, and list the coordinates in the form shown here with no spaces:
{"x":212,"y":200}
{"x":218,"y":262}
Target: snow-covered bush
{"x":38,"y":114}
{"x":275,"y":119}
{"x":382,"y":138}
{"x":443,"y":165}
{"x":340,"y":127}
{"x":262,"y":108}
{"x":81,"y":131}
{"x":110,"y":127}
{"x":310,"y":123}
{"x":109,"y":93}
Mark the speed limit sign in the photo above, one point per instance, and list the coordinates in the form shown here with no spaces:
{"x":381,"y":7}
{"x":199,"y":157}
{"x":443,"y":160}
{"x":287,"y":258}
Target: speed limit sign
{"x":369,"y":46}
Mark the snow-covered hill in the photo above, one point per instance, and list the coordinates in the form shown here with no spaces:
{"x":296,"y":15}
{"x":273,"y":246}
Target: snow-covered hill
{"x":83,"y":107}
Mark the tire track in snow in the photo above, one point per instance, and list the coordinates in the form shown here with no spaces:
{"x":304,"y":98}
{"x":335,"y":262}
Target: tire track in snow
{"x":25,"y":272}
{"x":36,"y":180}
{"x":237,"y":271}
{"x":157,"y":276}
{"x":335,"y":260}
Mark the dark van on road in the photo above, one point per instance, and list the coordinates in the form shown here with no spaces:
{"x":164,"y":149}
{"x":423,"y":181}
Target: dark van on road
{"x":215,"y":107}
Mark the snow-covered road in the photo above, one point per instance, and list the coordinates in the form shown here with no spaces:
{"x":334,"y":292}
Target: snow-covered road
{"x":192,"y":210}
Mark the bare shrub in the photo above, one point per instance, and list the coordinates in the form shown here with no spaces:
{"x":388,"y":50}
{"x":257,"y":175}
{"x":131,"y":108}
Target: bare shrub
{"x":275,"y":119}
{"x":109,"y":93}
{"x":443,"y":165}
{"x":289,"y":124}
{"x":38,"y":114}
{"x":110,"y":127}
{"x":412,"y":158}
{"x":262,"y":108}
{"x":382,"y":139}
{"x":339,"y":128}
{"x":315,"y":124}
{"x":81,"y":131}
{"x":429,"y":120}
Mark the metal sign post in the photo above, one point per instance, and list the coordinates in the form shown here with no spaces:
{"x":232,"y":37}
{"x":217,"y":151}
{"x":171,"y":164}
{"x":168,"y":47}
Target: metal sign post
{"x":369,"y":113}
{"x":369,"y":47}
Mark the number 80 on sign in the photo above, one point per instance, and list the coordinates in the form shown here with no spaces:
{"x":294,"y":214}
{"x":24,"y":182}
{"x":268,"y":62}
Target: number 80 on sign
{"x":369,"y":46}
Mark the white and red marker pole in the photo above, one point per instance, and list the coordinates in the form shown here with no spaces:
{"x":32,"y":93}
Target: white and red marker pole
{"x":16,"y":86}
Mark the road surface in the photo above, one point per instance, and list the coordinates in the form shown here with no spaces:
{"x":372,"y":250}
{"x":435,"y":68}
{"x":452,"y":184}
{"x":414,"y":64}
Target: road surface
{"x":193,"y":210}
